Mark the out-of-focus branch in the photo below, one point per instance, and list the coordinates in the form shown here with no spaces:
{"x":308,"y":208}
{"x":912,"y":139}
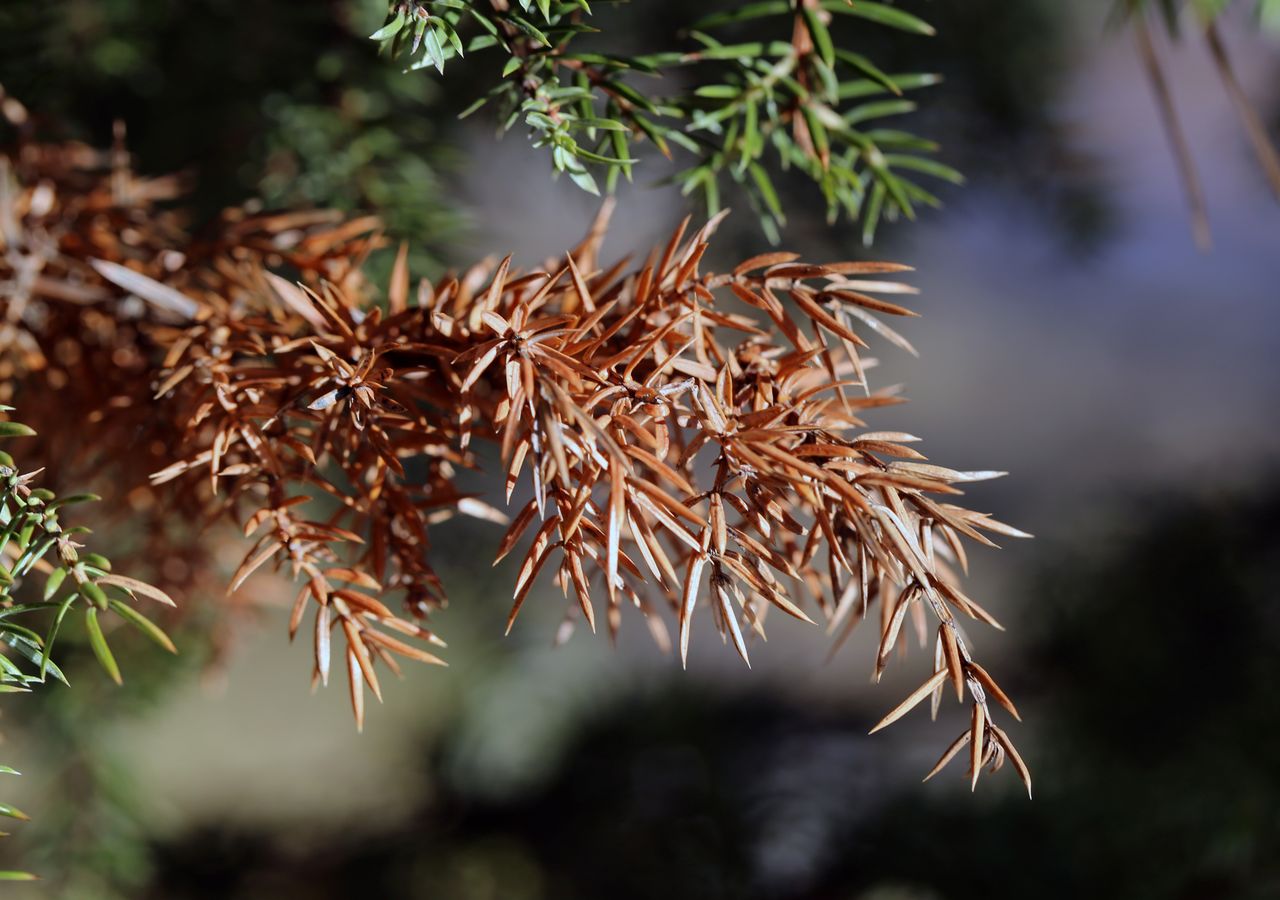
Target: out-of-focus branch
{"x":1173,"y":129}
{"x":1263,"y":149}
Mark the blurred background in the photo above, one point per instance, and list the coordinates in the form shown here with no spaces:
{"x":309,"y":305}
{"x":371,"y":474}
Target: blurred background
{"x":1072,"y":335}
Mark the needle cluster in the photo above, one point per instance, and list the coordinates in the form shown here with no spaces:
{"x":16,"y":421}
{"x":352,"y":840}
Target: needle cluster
{"x":678,"y":440}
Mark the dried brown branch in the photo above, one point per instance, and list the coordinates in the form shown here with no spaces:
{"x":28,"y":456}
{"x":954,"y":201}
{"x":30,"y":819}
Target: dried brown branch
{"x":689,"y":440}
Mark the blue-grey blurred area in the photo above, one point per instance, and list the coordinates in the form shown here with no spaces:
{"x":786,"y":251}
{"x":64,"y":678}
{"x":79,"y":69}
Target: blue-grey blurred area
{"x":1071,"y":335}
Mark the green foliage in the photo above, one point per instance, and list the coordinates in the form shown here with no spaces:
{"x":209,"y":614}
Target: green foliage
{"x":35,"y":545}
{"x":773,"y":90}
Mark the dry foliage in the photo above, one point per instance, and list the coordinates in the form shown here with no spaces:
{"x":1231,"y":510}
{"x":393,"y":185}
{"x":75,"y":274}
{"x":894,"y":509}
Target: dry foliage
{"x":81,"y":356}
{"x":687,"y":439}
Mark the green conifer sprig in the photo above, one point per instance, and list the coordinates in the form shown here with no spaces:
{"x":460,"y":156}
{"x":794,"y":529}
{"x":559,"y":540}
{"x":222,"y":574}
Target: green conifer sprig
{"x":752,"y":106}
{"x":44,"y":576}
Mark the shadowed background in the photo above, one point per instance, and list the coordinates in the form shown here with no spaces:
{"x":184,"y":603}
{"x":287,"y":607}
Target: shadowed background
{"x":1072,"y":335}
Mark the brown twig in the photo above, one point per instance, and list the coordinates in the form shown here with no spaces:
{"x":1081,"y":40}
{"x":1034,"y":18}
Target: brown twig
{"x":1173,"y":129}
{"x":1263,"y":149}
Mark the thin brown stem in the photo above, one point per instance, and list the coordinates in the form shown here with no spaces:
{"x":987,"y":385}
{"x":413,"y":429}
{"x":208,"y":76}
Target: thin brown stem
{"x":1173,"y":130}
{"x":1268,"y":158}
